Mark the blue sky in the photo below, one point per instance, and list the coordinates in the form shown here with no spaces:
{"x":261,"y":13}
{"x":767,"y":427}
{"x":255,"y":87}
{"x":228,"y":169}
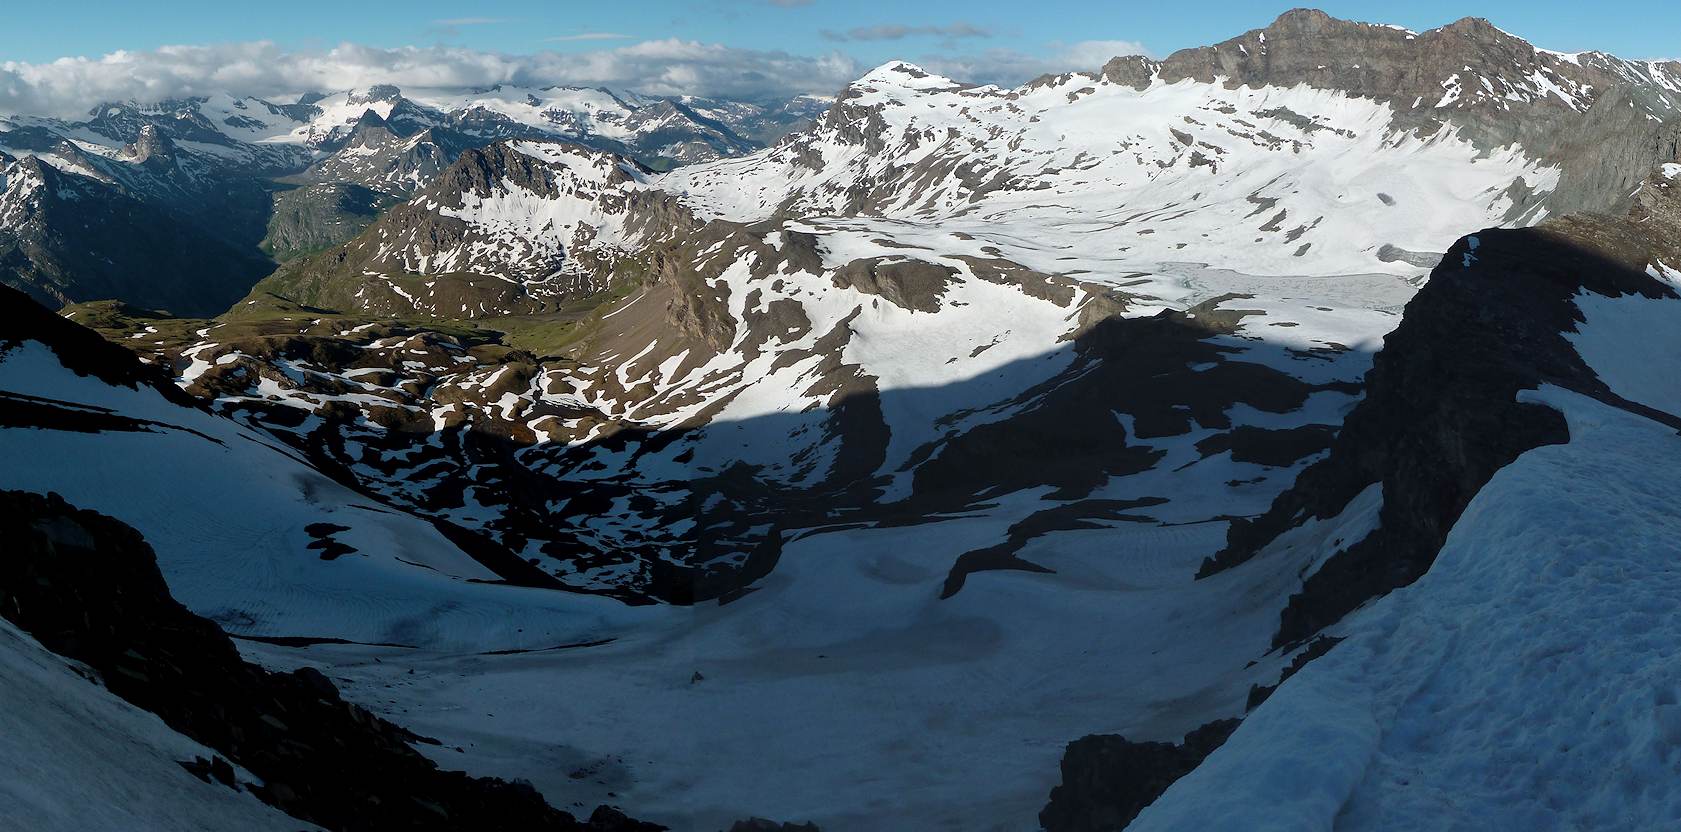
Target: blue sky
{"x":41,"y":31}
{"x":60,"y":62}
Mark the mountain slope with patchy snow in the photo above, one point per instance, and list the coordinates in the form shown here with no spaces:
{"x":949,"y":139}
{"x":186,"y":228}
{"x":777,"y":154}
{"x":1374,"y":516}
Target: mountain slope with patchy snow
{"x":513,"y":227}
{"x":964,"y":423}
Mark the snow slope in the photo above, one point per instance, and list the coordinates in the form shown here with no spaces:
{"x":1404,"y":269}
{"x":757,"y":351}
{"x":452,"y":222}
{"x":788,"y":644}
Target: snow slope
{"x":1496,"y":691}
{"x":76,"y":757}
{"x":1620,"y":336}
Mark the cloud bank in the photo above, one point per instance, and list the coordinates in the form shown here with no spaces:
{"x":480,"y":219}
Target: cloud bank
{"x":1008,"y":67}
{"x":71,"y":87}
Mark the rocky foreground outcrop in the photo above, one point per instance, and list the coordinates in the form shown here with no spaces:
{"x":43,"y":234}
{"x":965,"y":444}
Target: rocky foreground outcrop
{"x":1107,"y":779}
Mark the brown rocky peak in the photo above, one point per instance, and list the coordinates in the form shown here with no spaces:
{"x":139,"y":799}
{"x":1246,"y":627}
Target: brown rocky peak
{"x":1135,"y":71}
{"x":150,"y":145}
{"x":369,"y":118}
{"x":1302,"y":20}
{"x":371,"y":131}
{"x":1477,"y":27}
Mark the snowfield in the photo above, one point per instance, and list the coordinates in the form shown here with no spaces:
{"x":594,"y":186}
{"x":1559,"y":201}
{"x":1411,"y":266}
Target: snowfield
{"x":1528,"y":681}
{"x":1087,"y":175}
{"x":76,"y":757}
{"x":845,"y":691}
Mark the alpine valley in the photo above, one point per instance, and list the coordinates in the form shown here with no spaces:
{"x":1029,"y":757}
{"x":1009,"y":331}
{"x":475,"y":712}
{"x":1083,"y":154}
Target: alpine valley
{"x":1282,"y":434}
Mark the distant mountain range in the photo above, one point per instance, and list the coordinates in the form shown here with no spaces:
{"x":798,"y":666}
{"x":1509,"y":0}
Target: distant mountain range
{"x":209,"y":189}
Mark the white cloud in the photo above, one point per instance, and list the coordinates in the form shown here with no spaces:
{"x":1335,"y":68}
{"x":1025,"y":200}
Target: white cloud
{"x":1091,"y":54}
{"x":1008,"y":67}
{"x":70,"y":87}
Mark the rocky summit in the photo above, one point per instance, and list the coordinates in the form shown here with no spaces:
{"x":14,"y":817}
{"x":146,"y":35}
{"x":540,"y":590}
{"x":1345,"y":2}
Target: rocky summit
{"x":1276,"y":434}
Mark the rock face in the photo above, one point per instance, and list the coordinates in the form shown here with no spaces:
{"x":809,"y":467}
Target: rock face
{"x":1437,"y":423}
{"x":87,"y":587}
{"x":395,"y":163}
{"x":310,"y":218}
{"x":1107,"y":780}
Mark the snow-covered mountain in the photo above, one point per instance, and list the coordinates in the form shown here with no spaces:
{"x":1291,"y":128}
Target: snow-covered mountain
{"x":278,"y":136}
{"x":962,"y":424}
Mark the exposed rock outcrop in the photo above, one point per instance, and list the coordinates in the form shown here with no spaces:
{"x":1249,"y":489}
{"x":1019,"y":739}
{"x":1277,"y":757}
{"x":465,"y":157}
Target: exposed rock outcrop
{"x":1107,"y":779}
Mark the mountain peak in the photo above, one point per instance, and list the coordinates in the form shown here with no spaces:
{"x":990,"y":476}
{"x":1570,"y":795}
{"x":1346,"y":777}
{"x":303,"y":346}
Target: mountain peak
{"x":907,"y":75}
{"x":1300,"y":17}
{"x":375,"y":93}
{"x":371,"y":117}
{"x":150,"y":144}
{"x":1135,"y":71}
{"x":1478,"y":25}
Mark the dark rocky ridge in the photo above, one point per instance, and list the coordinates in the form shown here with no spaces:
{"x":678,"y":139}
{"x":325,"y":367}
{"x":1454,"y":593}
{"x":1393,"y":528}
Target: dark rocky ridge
{"x":1107,"y":779}
{"x":81,"y":350}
